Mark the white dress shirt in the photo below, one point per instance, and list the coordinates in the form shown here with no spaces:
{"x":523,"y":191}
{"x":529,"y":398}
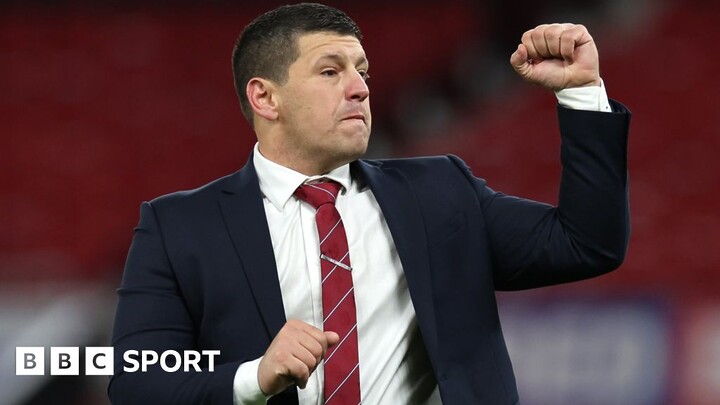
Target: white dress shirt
{"x":394,"y":368}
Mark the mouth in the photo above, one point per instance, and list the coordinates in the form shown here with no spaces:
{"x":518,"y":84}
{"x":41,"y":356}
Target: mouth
{"x":356,"y":116}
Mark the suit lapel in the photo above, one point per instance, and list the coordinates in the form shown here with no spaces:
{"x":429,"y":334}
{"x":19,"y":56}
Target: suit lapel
{"x":245,"y":219}
{"x":244,"y":216}
{"x":401,"y":210}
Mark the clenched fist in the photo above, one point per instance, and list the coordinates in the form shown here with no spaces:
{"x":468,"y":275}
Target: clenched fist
{"x":557,"y":56}
{"x":293,"y":356}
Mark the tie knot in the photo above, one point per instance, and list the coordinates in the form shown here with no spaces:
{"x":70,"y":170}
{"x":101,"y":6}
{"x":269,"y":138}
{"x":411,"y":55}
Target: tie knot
{"x":317,"y":194}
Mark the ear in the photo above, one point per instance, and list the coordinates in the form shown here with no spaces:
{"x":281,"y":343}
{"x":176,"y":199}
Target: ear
{"x":261,"y":94}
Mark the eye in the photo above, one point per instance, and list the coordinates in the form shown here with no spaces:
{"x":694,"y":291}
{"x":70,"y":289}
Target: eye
{"x":364,"y":74}
{"x":329,"y":72}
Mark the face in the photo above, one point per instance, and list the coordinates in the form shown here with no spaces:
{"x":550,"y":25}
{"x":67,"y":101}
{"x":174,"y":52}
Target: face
{"x":324,"y":108}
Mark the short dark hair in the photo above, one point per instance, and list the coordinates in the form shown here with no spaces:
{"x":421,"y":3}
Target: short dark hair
{"x":268,"y":45}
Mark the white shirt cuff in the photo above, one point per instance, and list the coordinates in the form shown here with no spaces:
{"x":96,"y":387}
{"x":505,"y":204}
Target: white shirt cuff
{"x":246,"y":388}
{"x":590,"y":98}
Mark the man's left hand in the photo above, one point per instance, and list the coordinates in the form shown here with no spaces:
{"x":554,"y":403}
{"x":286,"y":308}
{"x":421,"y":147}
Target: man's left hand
{"x":557,"y":56}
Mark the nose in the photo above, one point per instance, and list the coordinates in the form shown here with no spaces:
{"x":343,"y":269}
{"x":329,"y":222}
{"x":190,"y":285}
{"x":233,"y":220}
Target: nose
{"x":357,"y":89}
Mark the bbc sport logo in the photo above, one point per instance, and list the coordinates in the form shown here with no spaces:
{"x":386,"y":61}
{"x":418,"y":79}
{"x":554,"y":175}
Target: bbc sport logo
{"x":99,"y":360}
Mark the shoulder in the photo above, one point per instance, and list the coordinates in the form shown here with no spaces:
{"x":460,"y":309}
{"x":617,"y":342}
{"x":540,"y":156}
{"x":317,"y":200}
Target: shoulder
{"x":432,"y":173}
{"x":203,"y":195}
{"x":418,"y":165}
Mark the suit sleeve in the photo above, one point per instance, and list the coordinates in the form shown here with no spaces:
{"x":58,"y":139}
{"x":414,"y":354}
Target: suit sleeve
{"x":535,"y":244}
{"x":152,"y":315}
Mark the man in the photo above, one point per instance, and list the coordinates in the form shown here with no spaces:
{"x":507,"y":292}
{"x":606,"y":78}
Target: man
{"x":252,"y":264}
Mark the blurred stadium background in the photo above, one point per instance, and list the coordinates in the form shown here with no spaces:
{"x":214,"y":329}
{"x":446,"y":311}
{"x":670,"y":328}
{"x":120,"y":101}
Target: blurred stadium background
{"x":104,"y":104}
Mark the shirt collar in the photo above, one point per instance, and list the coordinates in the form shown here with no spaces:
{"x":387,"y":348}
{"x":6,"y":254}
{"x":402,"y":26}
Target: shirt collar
{"x":278,"y":183}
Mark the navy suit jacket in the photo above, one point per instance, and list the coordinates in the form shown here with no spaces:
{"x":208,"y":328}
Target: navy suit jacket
{"x":200,"y":274}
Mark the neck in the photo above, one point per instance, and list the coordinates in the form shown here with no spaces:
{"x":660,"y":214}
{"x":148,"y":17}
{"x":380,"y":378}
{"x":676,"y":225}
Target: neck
{"x":304,"y":165}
